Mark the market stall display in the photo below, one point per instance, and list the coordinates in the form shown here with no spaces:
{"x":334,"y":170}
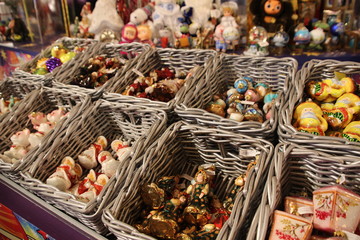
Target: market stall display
{"x":244,"y":74}
{"x":45,"y":100}
{"x":334,"y":84}
{"x":50,"y":59}
{"x":85,"y":147}
{"x":180,"y":61}
{"x":298,"y":171}
{"x":181,"y":151}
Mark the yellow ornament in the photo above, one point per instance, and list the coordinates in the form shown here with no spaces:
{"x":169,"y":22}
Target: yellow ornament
{"x":41,"y":63}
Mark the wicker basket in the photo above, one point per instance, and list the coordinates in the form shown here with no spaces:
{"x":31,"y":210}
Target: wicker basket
{"x":296,"y":169}
{"x":279,"y":73}
{"x":17,"y":88}
{"x":139,"y":125}
{"x":180,"y":150}
{"x":133,"y":51}
{"x":315,"y":70}
{"x":165,"y":57}
{"x":70,"y":43}
{"x":46,"y":100}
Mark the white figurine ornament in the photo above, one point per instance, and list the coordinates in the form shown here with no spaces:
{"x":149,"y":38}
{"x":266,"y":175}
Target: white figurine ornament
{"x":167,"y":14}
{"x":103,"y":17}
{"x":88,"y":158}
{"x":202,"y":11}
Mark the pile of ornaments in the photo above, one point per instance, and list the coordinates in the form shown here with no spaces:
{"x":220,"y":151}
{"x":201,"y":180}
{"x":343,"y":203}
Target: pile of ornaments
{"x":174,"y":211}
{"x":333,"y":210}
{"x":332,"y":110}
{"x":59,"y":55}
{"x":97,"y":71}
{"x":23,"y":141}
{"x":244,"y":101}
{"x":67,"y":176}
{"x":7,"y":105}
{"x":161,"y":85}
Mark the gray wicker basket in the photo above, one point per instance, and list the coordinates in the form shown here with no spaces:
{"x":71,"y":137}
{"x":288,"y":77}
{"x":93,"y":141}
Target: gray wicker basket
{"x":162,"y":57}
{"x":138,"y":125}
{"x":279,"y":73}
{"x":132,"y":50}
{"x":70,"y":43}
{"x":17,"y":88}
{"x":295,"y":169}
{"x":46,"y":100}
{"x":314,"y":70}
{"x":180,"y":150}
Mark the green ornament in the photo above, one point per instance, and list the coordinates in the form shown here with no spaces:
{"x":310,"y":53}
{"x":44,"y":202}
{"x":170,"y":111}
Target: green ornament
{"x":67,"y":57}
{"x":41,"y":71}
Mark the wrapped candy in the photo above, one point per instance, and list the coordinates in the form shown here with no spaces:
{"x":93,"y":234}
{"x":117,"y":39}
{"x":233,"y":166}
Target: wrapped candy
{"x":97,"y":71}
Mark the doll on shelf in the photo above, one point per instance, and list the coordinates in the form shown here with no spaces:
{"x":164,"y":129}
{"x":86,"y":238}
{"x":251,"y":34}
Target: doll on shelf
{"x":129,"y":33}
{"x":144,"y":34}
{"x":228,"y":19}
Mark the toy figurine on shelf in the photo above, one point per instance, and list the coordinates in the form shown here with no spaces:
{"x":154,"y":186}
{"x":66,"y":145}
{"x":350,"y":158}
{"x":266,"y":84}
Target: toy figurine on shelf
{"x":220,"y":43}
{"x":280,"y":40}
{"x":17,"y":31}
{"x":85,"y":23}
{"x":129,"y":33}
{"x":271,"y":14}
{"x":301,"y":38}
{"x":202,"y":10}
{"x":258,"y":45}
{"x":167,"y":14}
{"x":317,"y":38}
{"x":144,"y":34}
{"x":337,"y":30}
{"x":105,"y":17}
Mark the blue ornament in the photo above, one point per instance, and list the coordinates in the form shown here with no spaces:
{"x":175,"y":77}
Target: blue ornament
{"x":337,"y":29}
{"x":302,"y":36}
{"x":241,"y":85}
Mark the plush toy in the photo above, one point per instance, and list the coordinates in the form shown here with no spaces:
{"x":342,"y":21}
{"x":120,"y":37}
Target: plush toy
{"x":202,"y":11}
{"x":141,"y":15}
{"x":271,"y":14}
{"x":167,"y":14}
{"x":105,"y":17}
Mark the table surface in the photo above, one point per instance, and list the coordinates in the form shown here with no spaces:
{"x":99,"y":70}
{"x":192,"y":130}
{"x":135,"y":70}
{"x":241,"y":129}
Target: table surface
{"x":44,"y":216}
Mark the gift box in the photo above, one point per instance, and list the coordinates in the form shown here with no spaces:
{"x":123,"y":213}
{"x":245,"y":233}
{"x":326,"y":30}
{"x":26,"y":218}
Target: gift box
{"x":44,"y":99}
{"x":24,"y":71}
{"x":315,"y":70}
{"x":296,"y":171}
{"x":279,"y":74}
{"x":138,"y":125}
{"x":180,"y":151}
